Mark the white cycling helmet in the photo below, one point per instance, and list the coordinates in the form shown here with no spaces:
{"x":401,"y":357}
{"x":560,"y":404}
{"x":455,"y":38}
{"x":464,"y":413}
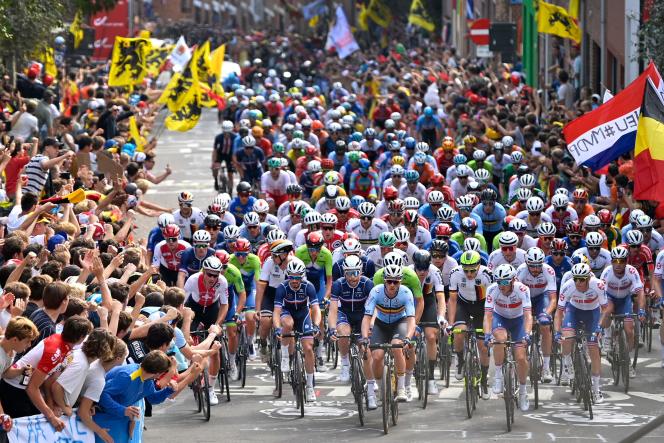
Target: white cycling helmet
{"x":436,"y":197}
{"x":507,"y":141}
{"x":633,"y":237}
{"x":393,"y":259}
{"x":401,"y":234}
{"x":508,"y":238}
{"x":231,"y":232}
{"x":312,"y":218}
{"x":619,"y":253}
{"x":328,"y":219}
{"x":445,"y":213}
{"x":351,"y":246}
{"x":518,"y":225}
{"x":393,"y":272}
{"x":581,"y":270}
{"x":165,"y":220}
{"x":366,"y":209}
{"x":535,"y":256}
{"x":560,"y":201}
{"x":352,"y":263}
{"x":634,"y":215}
{"x":504,"y":272}
{"x":482,"y":175}
{"x":523,"y":194}
{"x":342,"y":203}
{"x":274,"y":235}
{"x":212,"y":263}
{"x":546,"y":229}
{"x":261,"y":206}
{"x":201,"y":236}
{"x":534,"y":204}
{"x":295,"y":267}
{"x":411,"y":203}
{"x":472,"y":244}
{"x":591,"y":222}
{"x":595,"y":239}
{"x":251,"y":219}
{"x":527,"y":180}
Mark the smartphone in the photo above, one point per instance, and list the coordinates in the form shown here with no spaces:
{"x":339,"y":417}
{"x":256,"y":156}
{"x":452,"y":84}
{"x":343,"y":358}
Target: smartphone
{"x":65,"y":175}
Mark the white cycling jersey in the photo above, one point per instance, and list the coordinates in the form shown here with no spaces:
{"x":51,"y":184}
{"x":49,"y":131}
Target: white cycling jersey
{"x":621,"y":287}
{"x":433,"y":278}
{"x":422,"y":237}
{"x":470,"y":290}
{"x":292,"y":232}
{"x":541,"y":284}
{"x":512,"y":305}
{"x":446,"y":269}
{"x":598,"y":263}
{"x":591,"y":299}
{"x":272,"y":186}
{"x":283,"y":210}
{"x":196,"y":218}
{"x":322,"y":207}
{"x":531,"y":229}
{"x":659,"y":265}
{"x":368,"y":236}
{"x":496,"y":258}
{"x":419,"y":192}
{"x":272,"y":274}
{"x":195,"y":288}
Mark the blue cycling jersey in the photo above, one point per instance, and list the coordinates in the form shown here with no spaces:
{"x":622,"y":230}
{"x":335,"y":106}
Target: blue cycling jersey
{"x":351,"y":299}
{"x":293,"y":300}
{"x":390,"y":310}
{"x":154,"y":237}
{"x":564,"y":266}
{"x":571,"y":248}
{"x":189,"y":263}
{"x":368,"y":268}
{"x":238,"y":209}
{"x":426,"y":212}
{"x":493,"y":221}
{"x":456,"y":221}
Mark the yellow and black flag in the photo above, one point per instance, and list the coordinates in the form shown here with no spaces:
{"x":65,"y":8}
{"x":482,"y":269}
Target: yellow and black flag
{"x":201,"y":60}
{"x":188,"y":115}
{"x":156,"y":58}
{"x":76,"y":30}
{"x":552,"y":19}
{"x":176,"y":90}
{"x":128,"y":64}
{"x":379,"y":12}
{"x":419,"y":16}
{"x":649,"y":147}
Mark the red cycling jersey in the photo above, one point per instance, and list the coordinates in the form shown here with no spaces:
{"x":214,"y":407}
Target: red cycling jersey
{"x":642,"y":261}
{"x":170,"y":259}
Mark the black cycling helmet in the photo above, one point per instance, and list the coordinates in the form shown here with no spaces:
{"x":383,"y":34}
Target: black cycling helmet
{"x":489,"y":195}
{"x":438,"y":245}
{"x":421,"y":260}
{"x":293,"y":189}
{"x":243,"y":187}
{"x":212,"y":221}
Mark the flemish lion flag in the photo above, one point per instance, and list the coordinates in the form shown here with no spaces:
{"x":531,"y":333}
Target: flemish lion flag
{"x":188,"y":115}
{"x":202,"y":60}
{"x":552,"y":19}
{"x":156,"y":58}
{"x":176,"y":90}
{"x":128,"y":64}
{"x":135,"y":134}
{"x":379,"y":12}
{"x":419,"y":16}
{"x":649,"y":147}
{"x":76,"y":30}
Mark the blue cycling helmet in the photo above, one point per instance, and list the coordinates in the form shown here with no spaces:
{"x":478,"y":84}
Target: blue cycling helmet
{"x":412,"y":175}
{"x":460,"y":159}
{"x":356,"y":201}
{"x":410,"y":143}
{"x":364,"y":165}
{"x":428,"y":111}
{"x":356,"y":137}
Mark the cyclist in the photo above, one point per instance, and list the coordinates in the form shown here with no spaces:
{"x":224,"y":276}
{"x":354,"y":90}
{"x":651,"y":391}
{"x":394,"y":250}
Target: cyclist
{"x":296,"y":309}
{"x":418,"y":233}
{"x":651,"y":238}
{"x":559,"y":260}
{"x":192,"y":258}
{"x":561,"y":213}
{"x":167,"y":254}
{"x":252,"y":230}
{"x":433,"y":291}
{"x":222,"y":152}
{"x":394,"y":309}
{"x":508,"y":310}
{"x":439,"y":257}
{"x":533,"y":215}
{"x":249,"y":161}
{"x":157,"y":233}
{"x":435,"y":201}
{"x":574,"y":239}
{"x":188,"y":218}
{"x":312,"y":223}
{"x":598,"y":257}
{"x":404,"y":244}
{"x":509,"y":253}
{"x":343,"y":212}
{"x":468,"y":284}
{"x":468,"y":230}
{"x":464,"y":205}
{"x":351,"y":246}
{"x":492,"y":214}
{"x":364,"y":181}
{"x":262,"y":208}
{"x":328,"y":223}
{"x":639,"y":256}
{"x":622,"y":282}
{"x":250,"y":267}
{"x":349,"y":295}
{"x":294,"y":194}
{"x":413,"y":187}
{"x":367,"y":227}
{"x":611,"y":231}
{"x":540,"y":278}
{"x":581,"y":205}
{"x":581,"y":303}
{"x":472,"y":244}
{"x":243,"y":203}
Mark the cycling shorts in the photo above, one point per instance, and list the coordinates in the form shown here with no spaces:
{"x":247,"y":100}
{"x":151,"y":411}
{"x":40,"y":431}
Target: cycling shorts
{"x":575,"y":317}
{"x":430,"y":313}
{"x":169,"y":276}
{"x":353,"y":319}
{"x":224,"y":158}
{"x":386,"y":332}
{"x":621,"y":305}
{"x":539,"y":304}
{"x":232,"y":305}
{"x":301,"y":320}
{"x":469,"y":314}
{"x":250,"y":305}
{"x":267,"y":304}
{"x":514,"y":326}
{"x":204,"y":315}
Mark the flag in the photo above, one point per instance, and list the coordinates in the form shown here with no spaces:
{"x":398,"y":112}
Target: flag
{"x":470,"y":10}
{"x":135,"y":135}
{"x":128,"y":62}
{"x":340,"y":36}
{"x":363,"y":18}
{"x":176,"y":90}
{"x":48,"y":58}
{"x":314,"y":9}
{"x":607,"y":95}
{"x":649,"y":147}
{"x":573,"y":9}
{"x":186,"y":117}
{"x":606,"y":133}
{"x":76,"y":30}
{"x":181,"y":54}
{"x":201,"y":59}
{"x":379,"y":12}
{"x":552,"y":19}
{"x":419,"y":16}
{"x":156,"y":59}
{"x":216,"y":64}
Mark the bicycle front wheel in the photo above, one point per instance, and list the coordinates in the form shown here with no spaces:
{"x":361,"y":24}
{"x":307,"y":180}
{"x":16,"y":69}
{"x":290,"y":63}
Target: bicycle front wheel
{"x":357,"y":387}
{"x":205,"y":395}
{"x":386,"y":394}
{"x":298,"y":382}
{"x":278,"y":375}
{"x":624,"y":358}
{"x":423,"y":361}
{"x":535,"y":367}
{"x":508,"y":392}
{"x":469,"y":386}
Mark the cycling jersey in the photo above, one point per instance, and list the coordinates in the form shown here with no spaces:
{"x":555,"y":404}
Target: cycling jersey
{"x":419,"y":192}
{"x":368,"y":268}
{"x":368,"y":236}
{"x":185,"y":223}
{"x":351,"y":299}
{"x":526,"y":242}
{"x":195,"y":289}
{"x":642,"y":261}
{"x":458,"y":237}
{"x":254,"y":240}
{"x":512,"y":305}
{"x":491,"y":221}
{"x":446,"y":269}
{"x":317,"y":271}
{"x":456,"y":221}
{"x":561,"y":219}
{"x":598,"y":263}
{"x":167,"y":257}
{"x":189,"y":263}
{"x":390,"y":310}
{"x":433,"y":282}
{"x":588,"y":300}
{"x":409,"y":280}
{"x":656,"y":242}
{"x":154,"y":237}
{"x":365,"y":185}
{"x":335,"y":241}
{"x":531,"y":224}
{"x":621,"y":287}
{"x":422,"y":237}
{"x":298,"y":299}
{"x":239,"y":210}
{"x":272,"y":274}
{"x":497,"y":258}
{"x":561,"y":269}
{"x":542,"y":284}
{"x":659,"y":265}
{"x":470,"y":290}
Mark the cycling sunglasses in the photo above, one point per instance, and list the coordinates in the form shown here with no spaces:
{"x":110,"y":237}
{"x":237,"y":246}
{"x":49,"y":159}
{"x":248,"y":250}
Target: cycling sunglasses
{"x":354,"y":273}
{"x":201,"y":245}
{"x":508,"y":248}
{"x":580,"y":279}
{"x":619,"y":261}
{"x":392,"y":282}
{"x":241,"y":254}
{"x":503,"y":282}
{"x":211,"y":274}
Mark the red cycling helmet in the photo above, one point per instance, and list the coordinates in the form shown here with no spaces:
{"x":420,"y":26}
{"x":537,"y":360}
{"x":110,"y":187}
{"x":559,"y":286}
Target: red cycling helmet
{"x":443,"y":229}
{"x":172,"y":231}
{"x":580,"y":194}
{"x":348,"y":235}
{"x":573,"y":228}
{"x":310,"y":150}
{"x":437,"y":180}
{"x":223,"y":256}
{"x":411,"y":216}
{"x":559,"y":244}
{"x":390,"y":193}
{"x":215,"y":208}
{"x":242,"y":245}
{"x":315,"y":239}
{"x":327,"y":164}
{"x":605,"y":216}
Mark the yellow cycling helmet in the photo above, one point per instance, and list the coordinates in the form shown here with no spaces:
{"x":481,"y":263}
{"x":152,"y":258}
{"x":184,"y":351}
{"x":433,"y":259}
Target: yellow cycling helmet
{"x":398,"y":160}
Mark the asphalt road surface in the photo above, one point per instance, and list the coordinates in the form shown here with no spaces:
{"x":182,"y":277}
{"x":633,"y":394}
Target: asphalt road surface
{"x":253,"y":414}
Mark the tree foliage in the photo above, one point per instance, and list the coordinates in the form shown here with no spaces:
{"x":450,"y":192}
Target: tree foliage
{"x":26,"y":26}
{"x":91,"y":7}
{"x":651,"y":35}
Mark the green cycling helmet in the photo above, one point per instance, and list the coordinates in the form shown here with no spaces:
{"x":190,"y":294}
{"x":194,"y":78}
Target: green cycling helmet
{"x":274,"y":163}
{"x":412,"y":175}
{"x":278,"y":147}
{"x":386,"y":240}
{"x":298,"y":134}
{"x":354,"y":156}
{"x":470,"y":259}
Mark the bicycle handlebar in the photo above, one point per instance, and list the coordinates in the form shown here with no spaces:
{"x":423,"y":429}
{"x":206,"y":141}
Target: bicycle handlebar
{"x":385,"y":346}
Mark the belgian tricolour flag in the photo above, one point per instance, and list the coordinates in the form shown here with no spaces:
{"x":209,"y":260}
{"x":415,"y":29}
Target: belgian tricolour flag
{"x":649,"y":147}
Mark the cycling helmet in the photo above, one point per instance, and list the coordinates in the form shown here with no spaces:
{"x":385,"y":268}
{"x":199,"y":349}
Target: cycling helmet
{"x":165,"y":220}
{"x":389,"y":124}
{"x":398,"y":160}
{"x":581,"y":270}
{"x":561,"y":191}
{"x":559,"y":201}
{"x":397,"y":170}
{"x":634,"y":215}
{"x":534,"y":204}
{"x":595,"y":239}
{"x":212,"y":263}
{"x":527,"y":180}
{"x":518,"y":225}
{"x":401,"y":234}
{"x":411,"y":203}
{"x":171,"y":231}
{"x":573,"y":228}
{"x":523,"y":194}
{"x":395,"y":206}
{"x":293,"y":189}
{"x":281,"y":246}
{"x":314,"y":166}
{"x":436,"y":198}
{"x":185,"y":197}
{"x":212,"y":221}
{"x":315,"y":239}
{"x":605,"y":216}
{"x":420,"y":158}
{"x":439,"y":246}
{"x":470,"y":258}
{"x":411,"y":176}
{"x":351,"y":246}
{"x":312,"y":218}
{"x":472,"y":244}
{"x":328,"y":219}
{"x":482,"y":175}
{"x":463,"y":171}
{"x":395,"y":146}
{"x":504,"y":272}
{"x":393,"y":259}
{"x":468,"y":225}
{"x":422,"y":260}
{"x":274,"y":235}
{"x":579,"y":258}
{"x":591,"y":222}
{"x":227,"y":126}
{"x":464,"y":202}
{"x":274,"y":163}
{"x":331,"y":192}
{"x":386,"y":240}
{"x":546,"y":229}
{"x":619,"y":253}
{"x":231,"y":233}
{"x":642,"y":221}
{"x":459,"y":159}
{"x":442,"y":230}
{"x":469,"y":140}
{"x":369,"y":133}
{"x":356,"y":201}
{"x":352,"y":263}
{"x":448,"y":143}
{"x":489,"y":195}
{"x":243,"y":187}
{"x":331,"y":178}
{"x":366,"y":209}
{"x":249,"y":141}
{"x":201,"y":236}
{"x":422,"y":147}
{"x":342,"y":203}
{"x":364,"y":165}
{"x":251,"y":219}
{"x":498,"y":146}
{"x":223,"y":256}
{"x":633,"y":237}
{"x":507,"y":141}
{"x":261,"y":206}
{"x":295,"y":268}
{"x":580,"y":194}
{"x":411,"y":216}
{"x":516,"y":157}
{"x":535,"y":256}
{"x":393,"y":272}
{"x":559,"y":244}
{"x":445,"y":213}
{"x":479,"y":155}
{"x":437,"y":180}
{"x":508,"y":238}
{"x":242,"y":245}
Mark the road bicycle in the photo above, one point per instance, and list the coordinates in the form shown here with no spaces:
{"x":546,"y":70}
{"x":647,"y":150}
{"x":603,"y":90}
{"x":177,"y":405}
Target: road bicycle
{"x":274,"y":363}
{"x":422,"y":364}
{"x":201,"y":384}
{"x":357,"y":377}
{"x":297,"y":374}
{"x":618,"y":355}
{"x":581,"y":383}
{"x":510,"y":382}
{"x":472,"y":371}
{"x":388,"y":385}
{"x":535,"y":362}
{"x":444,"y":357}
{"x":242,"y":351}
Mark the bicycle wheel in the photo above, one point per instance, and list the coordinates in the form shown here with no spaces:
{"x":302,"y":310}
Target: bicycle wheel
{"x":357,"y":386}
{"x":198,"y":398}
{"x":556,"y":362}
{"x":650,"y":327}
{"x":535,"y":367}
{"x":624,"y":358}
{"x":614,"y":357}
{"x":298,"y":382}
{"x":508,"y":392}
{"x":423,"y":361}
{"x":394,"y":404}
{"x":386,"y":394}
{"x":205,"y":395}
{"x":585,"y":386}
{"x":278,"y":375}
{"x":243,"y":356}
{"x":226,"y":371}
{"x":468,"y":383}
{"x":637,"y":332}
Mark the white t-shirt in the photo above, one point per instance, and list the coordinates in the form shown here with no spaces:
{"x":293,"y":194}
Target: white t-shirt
{"x":14,"y":221}
{"x":26,"y":126}
{"x":73,"y":377}
{"x":94,"y":382}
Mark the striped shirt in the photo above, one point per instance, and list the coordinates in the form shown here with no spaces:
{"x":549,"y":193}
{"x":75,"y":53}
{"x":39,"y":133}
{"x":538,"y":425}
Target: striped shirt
{"x":37,"y":176}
